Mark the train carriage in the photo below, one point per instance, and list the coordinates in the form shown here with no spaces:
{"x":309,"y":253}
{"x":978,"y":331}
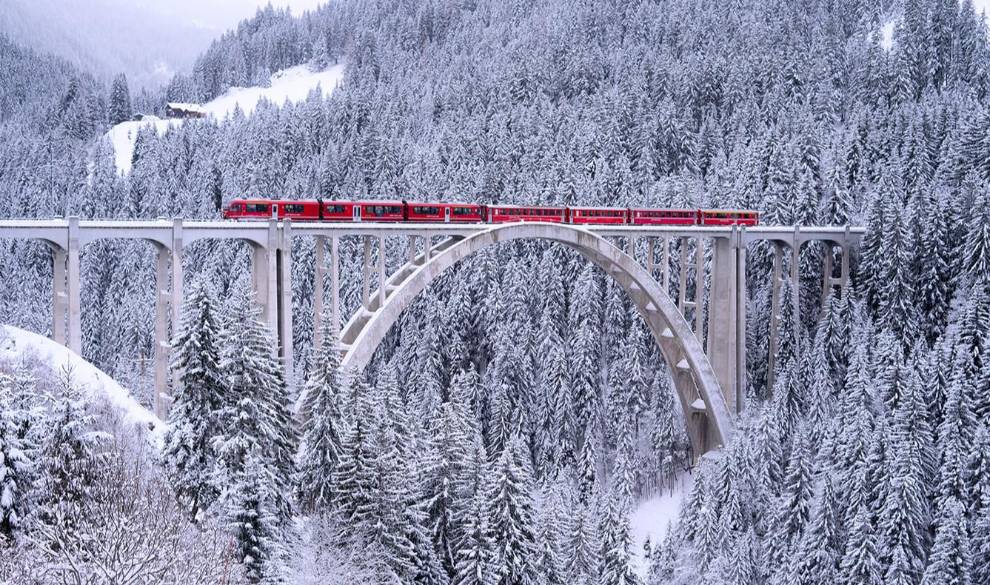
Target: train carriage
{"x":598,"y":216}
{"x":511,"y":213}
{"x":444,"y":212}
{"x":722,"y":217}
{"x":638,"y":216}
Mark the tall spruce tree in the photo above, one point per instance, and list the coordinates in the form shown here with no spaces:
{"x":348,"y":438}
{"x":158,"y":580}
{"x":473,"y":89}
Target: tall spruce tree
{"x":200,"y":393}
{"x":321,"y":440}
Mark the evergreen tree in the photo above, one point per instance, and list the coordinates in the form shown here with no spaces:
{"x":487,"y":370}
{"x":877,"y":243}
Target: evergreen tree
{"x":256,"y":418}
{"x":14,"y":463}
{"x":977,"y":246}
{"x":320,"y":442}
{"x":120,"y":100}
{"x":951,"y":559}
{"x":253,"y":522}
{"x":615,"y":555}
{"x":188,"y":453}
{"x":511,"y":518}
{"x":859,"y":563}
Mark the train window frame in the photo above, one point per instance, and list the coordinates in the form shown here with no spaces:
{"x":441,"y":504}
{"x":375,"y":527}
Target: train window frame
{"x":334,"y":208}
{"x":294,"y":207}
{"x":426,"y":210}
{"x":257,"y":208}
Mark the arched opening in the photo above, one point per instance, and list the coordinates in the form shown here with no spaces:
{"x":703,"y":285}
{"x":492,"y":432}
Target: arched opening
{"x":710,"y":425}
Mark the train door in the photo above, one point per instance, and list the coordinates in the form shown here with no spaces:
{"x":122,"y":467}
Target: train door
{"x":446,"y":214}
{"x":357,"y":212}
{"x":275,"y":211}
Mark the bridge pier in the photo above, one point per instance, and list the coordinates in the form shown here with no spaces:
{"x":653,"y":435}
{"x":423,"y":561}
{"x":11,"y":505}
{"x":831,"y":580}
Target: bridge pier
{"x":72,"y":286}
{"x":59,"y":294}
{"x":283,"y":266}
{"x":725,"y":331}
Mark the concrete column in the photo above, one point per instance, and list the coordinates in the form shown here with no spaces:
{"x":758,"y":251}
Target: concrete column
{"x":665,"y":265}
{"x":335,"y":285}
{"x":284,"y":268}
{"x":682,"y":291}
{"x":411,"y":249}
{"x":59,"y":296}
{"x":844,"y":270}
{"x":319,"y":281}
{"x":427,"y":247}
{"x":741,"y":297}
{"x":366,"y":273}
{"x":271,"y":284}
{"x":827,"y":270}
{"x":775,"y":276}
{"x":796,"y":288}
{"x":177,"y":276}
{"x":722,"y":336}
{"x":162,"y":345}
{"x":73,"y":284}
{"x":259,"y":277}
{"x":381,"y":271}
{"x":651,"y":256}
{"x":699,"y":288}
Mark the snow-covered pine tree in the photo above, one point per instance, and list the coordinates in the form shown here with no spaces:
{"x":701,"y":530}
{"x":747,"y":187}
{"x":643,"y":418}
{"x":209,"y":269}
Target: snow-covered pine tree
{"x":200,"y":393}
{"x":976,"y":253}
{"x":474,"y":549}
{"x":860,"y":565}
{"x":120,"y":100}
{"x":817,"y":552}
{"x":321,"y":440}
{"x":511,"y":518}
{"x":253,"y":521}
{"x":67,"y":460}
{"x":14,"y":462}
{"x":256,"y":418}
{"x":616,"y":543}
{"x":951,"y":561}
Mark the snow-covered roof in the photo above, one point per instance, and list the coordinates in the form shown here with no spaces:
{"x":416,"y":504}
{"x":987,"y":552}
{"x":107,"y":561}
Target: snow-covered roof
{"x":187,"y":107}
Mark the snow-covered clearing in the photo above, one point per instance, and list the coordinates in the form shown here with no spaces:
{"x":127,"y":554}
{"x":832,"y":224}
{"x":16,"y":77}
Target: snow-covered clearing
{"x":20,"y":346}
{"x":653,"y":517}
{"x":289,"y":85}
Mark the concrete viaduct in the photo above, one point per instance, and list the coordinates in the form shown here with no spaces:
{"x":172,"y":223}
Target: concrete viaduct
{"x":709,"y":381}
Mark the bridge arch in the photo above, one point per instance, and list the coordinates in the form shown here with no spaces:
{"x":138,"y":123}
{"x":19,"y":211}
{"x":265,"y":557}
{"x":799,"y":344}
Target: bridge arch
{"x":709,"y":423}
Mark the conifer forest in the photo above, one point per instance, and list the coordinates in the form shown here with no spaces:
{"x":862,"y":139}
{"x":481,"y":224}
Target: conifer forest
{"x":518,"y":424}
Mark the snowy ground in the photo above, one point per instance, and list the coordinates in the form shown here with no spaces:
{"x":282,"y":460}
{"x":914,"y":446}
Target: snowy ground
{"x":20,"y":346}
{"x":653,"y":517}
{"x":289,"y":85}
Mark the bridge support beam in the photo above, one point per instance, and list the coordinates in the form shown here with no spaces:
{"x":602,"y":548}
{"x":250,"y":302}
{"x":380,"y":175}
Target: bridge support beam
{"x":59,"y":295}
{"x":726,"y":323}
{"x":283,"y":284}
{"x":162,"y":346}
{"x":72,"y":286}
{"x":319,"y":281}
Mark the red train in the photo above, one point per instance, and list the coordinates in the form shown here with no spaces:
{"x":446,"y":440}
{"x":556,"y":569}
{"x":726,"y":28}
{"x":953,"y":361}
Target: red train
{"x":409,"y":211}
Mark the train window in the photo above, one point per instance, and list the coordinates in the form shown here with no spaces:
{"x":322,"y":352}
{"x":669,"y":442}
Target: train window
{"x":426,"y":210}
{"x":293,"y":208}
{"x":236,"y":208}
{"x":464,"y":211}
{"x":256,"y":208}
{"x":334,"y":209}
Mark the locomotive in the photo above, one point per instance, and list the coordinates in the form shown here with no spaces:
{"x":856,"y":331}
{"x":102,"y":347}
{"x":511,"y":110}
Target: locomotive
{"x":418,"y":212}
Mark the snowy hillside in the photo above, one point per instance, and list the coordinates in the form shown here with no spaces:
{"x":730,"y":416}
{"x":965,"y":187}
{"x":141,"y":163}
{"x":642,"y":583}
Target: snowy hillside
{"x":18,"y":345}
{"x":289,"y":85}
